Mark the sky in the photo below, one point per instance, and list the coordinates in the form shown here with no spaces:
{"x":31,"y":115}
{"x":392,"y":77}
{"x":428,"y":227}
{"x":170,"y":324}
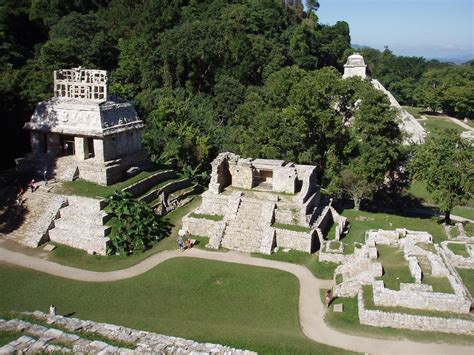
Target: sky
{"x":428,"y":28}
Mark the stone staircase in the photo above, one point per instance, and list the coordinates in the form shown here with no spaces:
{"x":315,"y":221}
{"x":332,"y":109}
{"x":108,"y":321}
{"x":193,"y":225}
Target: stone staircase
{"x":66,"y":168}
{"x":40,"y":209}
{"x":246,"y":231}
{"x":81,"y":225}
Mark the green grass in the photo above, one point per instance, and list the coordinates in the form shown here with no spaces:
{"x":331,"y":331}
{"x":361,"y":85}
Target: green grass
{"x":78,"y":258}
{"x":469,"y":229}
{"x":212,"y":217}
{"x":419,"y":190}
{"x":467,"y":277}
{"x":334,"y":245}
{"x":374,"y":220}
{"x":464,"y":211}
{"x":458,"y":249}
{"x":319,"y":269}
{"x":415,"y":111}
{"x":395,"y":267}
{"x":331,"y":233}
{"x":436,"y":126}
{"x":7,"y":337}
{"x":348,"y":322}
{"x":292,"y":227}
{"x":208,"y":301}
{"x":440,"y":284}
{"x":90,"y":189}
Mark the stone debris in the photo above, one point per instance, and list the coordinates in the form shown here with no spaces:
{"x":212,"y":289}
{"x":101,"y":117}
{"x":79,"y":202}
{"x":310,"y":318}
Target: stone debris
{"x":38,"y":338}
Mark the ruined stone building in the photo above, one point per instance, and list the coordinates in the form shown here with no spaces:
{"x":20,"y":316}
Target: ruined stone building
{"x":255,"y":205}
{"x":414,"y":131}
{"x":83,"y":132}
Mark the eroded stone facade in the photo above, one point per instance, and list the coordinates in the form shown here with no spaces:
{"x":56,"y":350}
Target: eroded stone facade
{"x":101,"y":134}
{"x":263,"y":203}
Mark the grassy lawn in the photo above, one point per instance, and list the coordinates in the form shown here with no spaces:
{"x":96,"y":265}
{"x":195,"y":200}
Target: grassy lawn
{"x":361,"y":221}
{"x":463,"y":211}
{"x":212,"y":217}
{"x":436,"y":126}
{"x":319,"y":269}
{"x":469,"y":229}
{"x":440,"y":284}
{"x":78,"y":258}
{"x":331,"y":233}
{"x":90,"y":189}
{"x":467,"y":277}
{"x":458,"y":249}
{"x":348,"y":322}
{"x":395,"y":267}
{"x":7,"y":337}
{"x":291,"y":227}
{"x":415,"y":111}
{"x":237,"y":305}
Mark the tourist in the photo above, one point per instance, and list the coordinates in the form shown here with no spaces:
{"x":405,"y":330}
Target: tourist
{"x":189,"y":241}
{"x":328,"y":297}
{"x":31,"y":185}
{"x":52,"y":310}
{"x":180,"y":242}
{"x":45,"y":177}
{"x":19,"y":196}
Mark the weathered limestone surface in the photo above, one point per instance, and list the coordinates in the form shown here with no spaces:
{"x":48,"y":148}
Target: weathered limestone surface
{"x":416,"y":299}
{"x":102,"y":134}
{"x":408,"y":321}
{"x":270,"y":196}
{"x":144,"y":185}
{"x":81,"y":225}
{"x":140,"y":341}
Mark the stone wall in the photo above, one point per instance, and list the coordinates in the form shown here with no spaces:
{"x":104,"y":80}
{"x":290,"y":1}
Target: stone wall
{"x":458,"y":260}
{"x":198,"y":226}
{"x":295,"y":240}
{"x":242,"y":174}
{"x":144,"y":185}
{"x":121,"y":144}
{"x":435,"y":301}
{"x":144,"y":342}
{"x":284,"y":179}
{"x":414,"y":322}
{"x":167,"y":189}
{"x":214,"y":204}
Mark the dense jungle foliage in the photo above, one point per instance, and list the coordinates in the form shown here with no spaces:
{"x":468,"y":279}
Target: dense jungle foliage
{"x":260,"y":78}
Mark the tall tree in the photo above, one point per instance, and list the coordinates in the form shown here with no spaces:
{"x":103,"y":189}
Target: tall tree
{"x":446,"y":164}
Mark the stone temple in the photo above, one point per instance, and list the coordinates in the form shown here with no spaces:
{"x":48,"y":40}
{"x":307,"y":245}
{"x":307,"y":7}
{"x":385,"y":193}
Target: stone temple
{"x":82,"y":132}
{"x":257,"y":205}
{"x":413,"y":130}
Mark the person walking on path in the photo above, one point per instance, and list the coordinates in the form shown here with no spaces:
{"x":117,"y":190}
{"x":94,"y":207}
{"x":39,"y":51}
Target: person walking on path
{"x":52,"y":310}
{"x":328,"y":298}
{"x":180,"y":242}
{"x":45,"y":177}
{"x":31,"y":185}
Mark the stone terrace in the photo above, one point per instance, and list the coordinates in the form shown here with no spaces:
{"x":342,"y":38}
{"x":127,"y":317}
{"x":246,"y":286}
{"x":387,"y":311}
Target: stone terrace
{"x":39,"y":338}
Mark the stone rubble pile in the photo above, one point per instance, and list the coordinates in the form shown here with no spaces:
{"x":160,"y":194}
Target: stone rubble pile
{"x":141,"y":341}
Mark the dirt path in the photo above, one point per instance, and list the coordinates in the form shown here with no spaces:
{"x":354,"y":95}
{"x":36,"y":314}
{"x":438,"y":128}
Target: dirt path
{"x":311,"y":308}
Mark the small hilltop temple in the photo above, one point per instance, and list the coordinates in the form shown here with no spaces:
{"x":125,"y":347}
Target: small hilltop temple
{"x":83,"y":132}
{"x":414,"y":131}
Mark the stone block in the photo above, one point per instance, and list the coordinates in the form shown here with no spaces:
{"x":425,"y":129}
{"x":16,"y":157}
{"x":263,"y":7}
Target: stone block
{"x":338,"y":308}
{"x":49,"y":247}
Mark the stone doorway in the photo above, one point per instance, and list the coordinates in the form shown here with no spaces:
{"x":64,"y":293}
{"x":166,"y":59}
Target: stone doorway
{"x":67,"y":145}
{"x":264,"y":179}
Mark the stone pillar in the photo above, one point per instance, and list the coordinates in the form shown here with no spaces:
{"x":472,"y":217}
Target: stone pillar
{"x":54,"y":145}
{"x":35,"y":142}
{"x":79,"y":147}
{"x":99,"y":149}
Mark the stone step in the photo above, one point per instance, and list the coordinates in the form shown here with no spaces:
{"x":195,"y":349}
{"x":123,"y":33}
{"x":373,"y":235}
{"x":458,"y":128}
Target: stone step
{"x":84,"y":229}
{"x":86,"y":203}
{"x":93,"y":244}
{"x":85,"y":216}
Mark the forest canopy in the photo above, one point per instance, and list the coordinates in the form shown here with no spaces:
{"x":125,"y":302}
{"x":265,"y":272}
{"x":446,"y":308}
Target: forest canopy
{"x":258,"y":77}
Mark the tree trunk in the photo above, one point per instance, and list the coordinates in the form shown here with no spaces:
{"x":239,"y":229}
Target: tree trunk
{"x":356,"y":203}
{"x":447,"y":217}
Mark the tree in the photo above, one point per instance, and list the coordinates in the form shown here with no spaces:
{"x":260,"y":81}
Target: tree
{"x":446,"y":164}
{"x":356,"y":186}
{"x":136,"y":227}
